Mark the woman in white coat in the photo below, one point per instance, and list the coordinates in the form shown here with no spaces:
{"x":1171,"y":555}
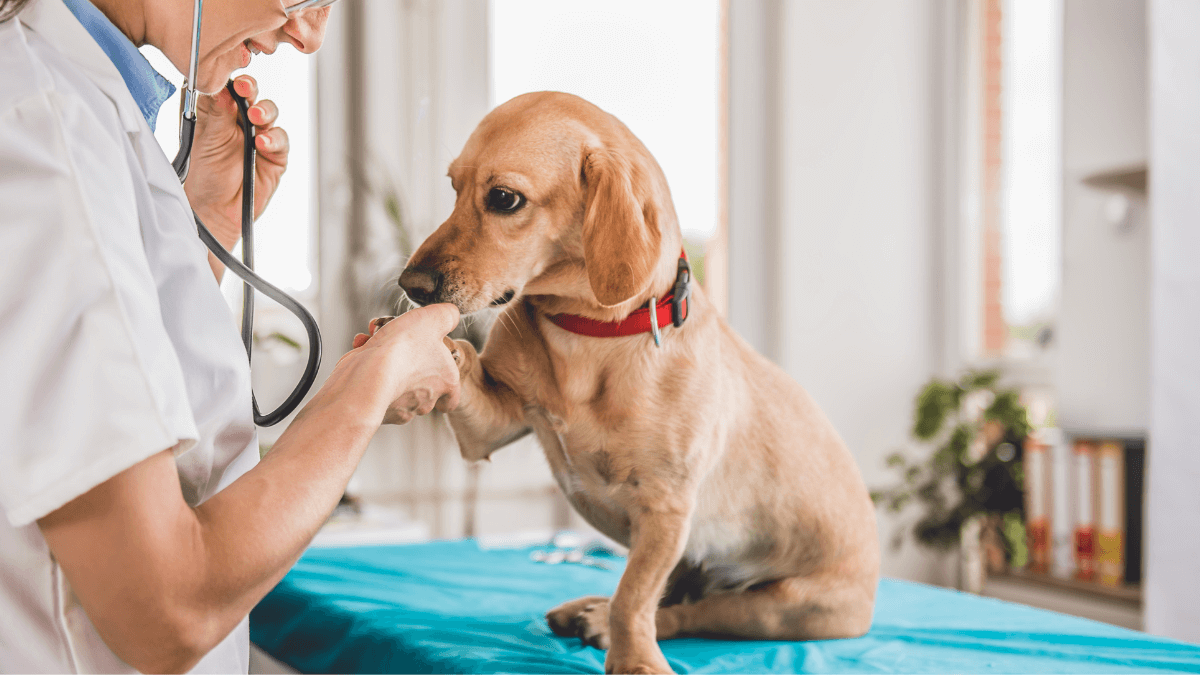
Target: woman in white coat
{"x":137,"y":527}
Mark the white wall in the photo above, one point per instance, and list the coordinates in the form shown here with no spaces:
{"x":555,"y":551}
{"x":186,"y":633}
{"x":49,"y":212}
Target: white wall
{"x":835,"y":213}
{"x":1103,"y":342}
{"x":1172,"y":545}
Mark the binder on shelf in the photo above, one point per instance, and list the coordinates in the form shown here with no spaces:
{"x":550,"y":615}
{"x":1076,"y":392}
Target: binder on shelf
{"x":1062,"y":545}
{"x":1110,"y":519}
{"x":1085,"y":519}
{"x":1037,"y":499}
{"x":1135,"y":461}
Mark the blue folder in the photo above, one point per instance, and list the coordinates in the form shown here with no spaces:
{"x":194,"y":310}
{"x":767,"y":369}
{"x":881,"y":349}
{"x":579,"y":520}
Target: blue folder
{"x":452,"y":607}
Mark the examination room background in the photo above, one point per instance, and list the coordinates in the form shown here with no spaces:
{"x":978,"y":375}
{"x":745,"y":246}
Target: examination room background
{"x":824,"y":156}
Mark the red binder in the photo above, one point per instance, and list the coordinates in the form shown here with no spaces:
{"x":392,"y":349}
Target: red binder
{"x":1085,"y":516}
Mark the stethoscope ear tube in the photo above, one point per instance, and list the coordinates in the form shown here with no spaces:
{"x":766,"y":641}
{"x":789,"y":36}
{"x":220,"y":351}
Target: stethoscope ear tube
{"x":187,"y":122}
{"x":183,"y":159}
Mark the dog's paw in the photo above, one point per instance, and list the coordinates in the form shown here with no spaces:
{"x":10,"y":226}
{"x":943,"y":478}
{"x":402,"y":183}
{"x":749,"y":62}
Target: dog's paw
{"x":649,"y":661}
{"x":585,"y":618}
{"x":464,"y":354}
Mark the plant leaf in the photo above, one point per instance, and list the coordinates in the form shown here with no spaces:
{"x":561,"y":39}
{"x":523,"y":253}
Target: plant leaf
{"x":980,"y":379}
{"x":934,"y":403}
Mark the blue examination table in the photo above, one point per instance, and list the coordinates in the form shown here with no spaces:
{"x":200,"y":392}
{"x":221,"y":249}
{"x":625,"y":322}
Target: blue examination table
{"x":452,"y":607}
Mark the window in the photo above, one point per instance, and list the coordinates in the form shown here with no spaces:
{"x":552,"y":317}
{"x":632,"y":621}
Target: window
{"x":654,"y":64}
{"x":284,"y":234}
{"x":1014,"y":181}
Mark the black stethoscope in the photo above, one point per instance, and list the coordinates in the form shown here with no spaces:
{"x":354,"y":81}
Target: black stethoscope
{"x":244,"y":268}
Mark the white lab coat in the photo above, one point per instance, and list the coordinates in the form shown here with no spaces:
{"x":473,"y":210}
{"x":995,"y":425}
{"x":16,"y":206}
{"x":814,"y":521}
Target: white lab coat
{"x":115,"y":341}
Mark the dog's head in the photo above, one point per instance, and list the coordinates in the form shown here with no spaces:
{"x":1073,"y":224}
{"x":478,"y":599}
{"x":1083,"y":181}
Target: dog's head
{"x":555,"y":198}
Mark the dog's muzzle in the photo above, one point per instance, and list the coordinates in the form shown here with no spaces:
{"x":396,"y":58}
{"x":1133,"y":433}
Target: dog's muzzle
{"x":422,"y":284}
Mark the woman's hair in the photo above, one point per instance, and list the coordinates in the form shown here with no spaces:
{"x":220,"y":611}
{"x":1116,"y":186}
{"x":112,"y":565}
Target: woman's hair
{"x":10,"y":8}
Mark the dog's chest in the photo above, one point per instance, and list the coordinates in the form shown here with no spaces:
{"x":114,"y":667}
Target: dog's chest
{"x":582,"y":454}
{"x":614,"y":433}
{"x":586,"y":478}
{"x":590,"y":435}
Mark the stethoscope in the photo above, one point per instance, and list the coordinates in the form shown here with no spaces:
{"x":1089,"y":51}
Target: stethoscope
{"x":244,"y":268}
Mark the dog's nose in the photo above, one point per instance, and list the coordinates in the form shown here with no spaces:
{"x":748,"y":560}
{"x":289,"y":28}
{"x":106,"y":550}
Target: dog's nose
{"x":421,"y":284}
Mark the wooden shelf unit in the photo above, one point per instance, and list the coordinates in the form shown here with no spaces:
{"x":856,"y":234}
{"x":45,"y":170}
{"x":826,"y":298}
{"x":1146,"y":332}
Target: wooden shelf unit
{"x":1131,"y":594}
{"x":1118,"y":606}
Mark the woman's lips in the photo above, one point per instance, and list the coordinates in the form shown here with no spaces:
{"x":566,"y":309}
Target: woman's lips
{"x":250,"y":49}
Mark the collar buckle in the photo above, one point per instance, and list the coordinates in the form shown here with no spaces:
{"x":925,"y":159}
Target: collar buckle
{"x":654,"y":330}
{"x":682,"y":291}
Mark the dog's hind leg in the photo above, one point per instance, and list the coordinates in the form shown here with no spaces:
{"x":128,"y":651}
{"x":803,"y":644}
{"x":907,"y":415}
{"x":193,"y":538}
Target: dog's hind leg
{"x":796,"y":608}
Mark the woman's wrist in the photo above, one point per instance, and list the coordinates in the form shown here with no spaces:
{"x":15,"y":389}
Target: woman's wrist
{"x":355,"y":393}
{"x":356,"y":414}
{"x":226,"y":232}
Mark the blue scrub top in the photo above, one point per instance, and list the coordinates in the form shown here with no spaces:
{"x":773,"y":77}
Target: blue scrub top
{"x":149,"y":89}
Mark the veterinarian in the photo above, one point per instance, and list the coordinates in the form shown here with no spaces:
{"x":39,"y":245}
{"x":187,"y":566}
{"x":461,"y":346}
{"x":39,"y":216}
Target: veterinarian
{"x":138,"y":527}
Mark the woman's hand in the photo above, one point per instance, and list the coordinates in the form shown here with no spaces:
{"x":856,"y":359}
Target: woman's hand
{"x":214,"y":184}
{"x":403,"y":369}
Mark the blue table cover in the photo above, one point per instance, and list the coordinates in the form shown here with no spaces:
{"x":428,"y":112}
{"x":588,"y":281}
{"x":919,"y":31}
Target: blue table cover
{"x":452,"y":607}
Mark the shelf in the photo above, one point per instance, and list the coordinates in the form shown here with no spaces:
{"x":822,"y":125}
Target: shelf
{"x":1122,"y":434}
{"x":1128,"y":594}
{"x":1116,"y":606}
{"x":1130,"y":179}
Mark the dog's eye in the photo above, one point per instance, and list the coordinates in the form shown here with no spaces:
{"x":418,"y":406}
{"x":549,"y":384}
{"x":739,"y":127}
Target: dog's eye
{"x":504,"y":200}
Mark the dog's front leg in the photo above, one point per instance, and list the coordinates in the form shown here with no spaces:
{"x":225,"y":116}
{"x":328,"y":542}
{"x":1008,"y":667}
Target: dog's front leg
{"x":490,"y":414}
{"x":659,"y":524}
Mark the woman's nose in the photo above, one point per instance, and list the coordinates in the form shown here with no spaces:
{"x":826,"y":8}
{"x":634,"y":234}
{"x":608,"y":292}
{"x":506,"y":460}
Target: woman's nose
{"x":307,"y":31}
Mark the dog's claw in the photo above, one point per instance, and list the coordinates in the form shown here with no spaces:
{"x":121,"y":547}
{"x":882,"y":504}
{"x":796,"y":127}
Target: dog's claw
{"x":591,"y":625}
{"x":379,"y":322}
{"x":455,"y":352}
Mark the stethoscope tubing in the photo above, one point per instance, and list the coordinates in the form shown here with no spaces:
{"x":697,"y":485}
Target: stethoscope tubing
{"x":244,"y":268}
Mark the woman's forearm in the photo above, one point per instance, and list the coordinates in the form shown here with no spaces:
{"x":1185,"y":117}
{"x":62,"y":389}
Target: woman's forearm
{"x":255,"y":529}
{"x":164,"y":583}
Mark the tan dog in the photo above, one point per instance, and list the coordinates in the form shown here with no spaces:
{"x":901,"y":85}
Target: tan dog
{"x":743,"y":511}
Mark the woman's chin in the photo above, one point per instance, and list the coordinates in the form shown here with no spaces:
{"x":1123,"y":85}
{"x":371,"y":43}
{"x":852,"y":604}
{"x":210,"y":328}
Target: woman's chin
{"x":213,"y":77}
{"x":212,"y":85}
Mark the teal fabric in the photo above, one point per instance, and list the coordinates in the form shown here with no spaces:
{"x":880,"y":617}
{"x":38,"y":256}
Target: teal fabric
{"x":450,"y":607}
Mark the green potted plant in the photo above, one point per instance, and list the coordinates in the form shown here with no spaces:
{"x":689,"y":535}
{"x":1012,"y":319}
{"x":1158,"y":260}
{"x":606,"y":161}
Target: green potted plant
{"x":969,"y":477}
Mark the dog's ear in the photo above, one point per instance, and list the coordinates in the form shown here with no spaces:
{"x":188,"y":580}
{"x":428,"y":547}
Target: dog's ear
{"x":621,"y":234}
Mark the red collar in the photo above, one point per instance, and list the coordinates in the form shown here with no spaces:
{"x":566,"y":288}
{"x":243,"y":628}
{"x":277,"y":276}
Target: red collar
{"x":671,"y":310}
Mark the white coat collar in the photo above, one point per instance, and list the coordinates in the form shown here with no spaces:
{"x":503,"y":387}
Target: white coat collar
{"x":53,"y":21}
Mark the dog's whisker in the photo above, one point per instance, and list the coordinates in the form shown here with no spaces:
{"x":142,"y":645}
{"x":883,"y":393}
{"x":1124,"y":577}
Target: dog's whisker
{"x":503,"y":321}
{"x":512,"y":322}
